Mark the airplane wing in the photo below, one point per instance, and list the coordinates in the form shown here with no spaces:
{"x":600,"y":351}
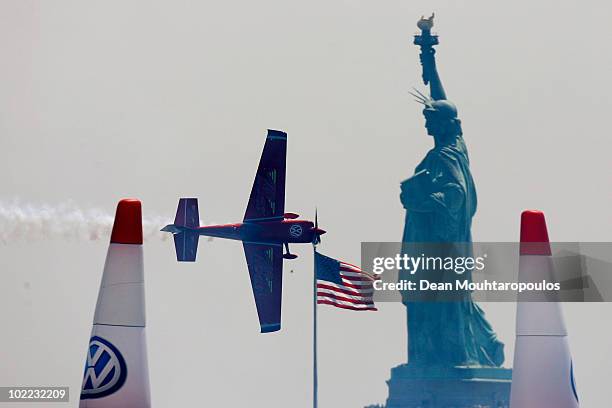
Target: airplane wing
{"x":265,"y":264}
{"x":267,"y":200}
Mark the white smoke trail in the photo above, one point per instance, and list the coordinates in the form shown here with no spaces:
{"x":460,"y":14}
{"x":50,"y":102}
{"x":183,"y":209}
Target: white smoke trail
{"x":27,"y":222}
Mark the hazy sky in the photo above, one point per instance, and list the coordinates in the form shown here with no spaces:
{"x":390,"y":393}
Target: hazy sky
{"x":157,"y":99}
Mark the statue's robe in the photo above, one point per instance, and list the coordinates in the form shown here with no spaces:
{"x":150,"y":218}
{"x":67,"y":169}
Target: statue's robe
{"x":440,"y":201}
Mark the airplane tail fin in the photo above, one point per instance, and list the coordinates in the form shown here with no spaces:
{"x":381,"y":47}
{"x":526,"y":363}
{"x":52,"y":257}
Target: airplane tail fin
{"x":186,"y":241}
{"x":187,"y":214}
{"x":186,"y":245}
{"x":116,"y":369}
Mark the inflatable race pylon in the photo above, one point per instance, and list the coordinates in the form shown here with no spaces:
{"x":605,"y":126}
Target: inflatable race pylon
{"x":116,"y":370}
{"x":543,"y":372}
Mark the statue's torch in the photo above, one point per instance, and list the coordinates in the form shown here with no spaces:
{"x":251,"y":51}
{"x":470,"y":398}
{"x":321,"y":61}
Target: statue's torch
{"x":426,"y":40}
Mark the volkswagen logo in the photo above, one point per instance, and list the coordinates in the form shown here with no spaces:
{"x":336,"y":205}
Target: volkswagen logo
{"x":573,"y":381}
{"x":105,"y":370}
{"x":295,"y":230}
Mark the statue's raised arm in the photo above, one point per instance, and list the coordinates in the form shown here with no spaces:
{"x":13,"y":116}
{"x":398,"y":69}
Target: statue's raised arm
{"x":426,"y":40}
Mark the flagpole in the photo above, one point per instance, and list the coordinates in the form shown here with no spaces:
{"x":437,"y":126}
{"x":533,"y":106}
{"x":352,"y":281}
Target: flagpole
{"x":315,"y":384}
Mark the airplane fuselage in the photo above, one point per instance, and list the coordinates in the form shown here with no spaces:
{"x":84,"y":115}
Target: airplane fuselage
{"x":264,"y":232}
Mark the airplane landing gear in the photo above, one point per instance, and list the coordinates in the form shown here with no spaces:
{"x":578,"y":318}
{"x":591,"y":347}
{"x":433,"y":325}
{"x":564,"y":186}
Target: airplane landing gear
{"x":288,"y":255}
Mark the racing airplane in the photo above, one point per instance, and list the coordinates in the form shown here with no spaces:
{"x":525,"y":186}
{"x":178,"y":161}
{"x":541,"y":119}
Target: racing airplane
{"x":265,"y":229}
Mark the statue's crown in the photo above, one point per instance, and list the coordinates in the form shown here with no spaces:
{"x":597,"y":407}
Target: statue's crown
{"x":443,"y":106}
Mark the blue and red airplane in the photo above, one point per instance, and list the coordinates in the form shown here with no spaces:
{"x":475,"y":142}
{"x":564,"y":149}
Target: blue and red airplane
{"x":265,"y":229}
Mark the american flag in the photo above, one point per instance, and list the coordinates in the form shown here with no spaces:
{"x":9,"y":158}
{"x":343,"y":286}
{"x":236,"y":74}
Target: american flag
{"x":343,"y":285}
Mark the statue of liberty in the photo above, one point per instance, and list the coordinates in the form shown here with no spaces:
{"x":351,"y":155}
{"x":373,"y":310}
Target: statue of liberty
{"x":440,"y":201}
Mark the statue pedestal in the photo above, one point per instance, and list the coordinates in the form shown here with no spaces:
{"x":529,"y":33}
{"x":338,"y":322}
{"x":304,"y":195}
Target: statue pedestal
{"x":449,"y":387}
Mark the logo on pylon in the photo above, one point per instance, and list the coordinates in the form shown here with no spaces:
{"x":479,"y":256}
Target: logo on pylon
{"x":105,"y":370}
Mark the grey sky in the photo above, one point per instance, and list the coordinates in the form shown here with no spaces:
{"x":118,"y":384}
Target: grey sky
{"x":158,"y":99}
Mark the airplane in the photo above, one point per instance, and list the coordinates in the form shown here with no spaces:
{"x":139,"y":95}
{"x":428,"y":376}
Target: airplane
{"x":265,"y":229}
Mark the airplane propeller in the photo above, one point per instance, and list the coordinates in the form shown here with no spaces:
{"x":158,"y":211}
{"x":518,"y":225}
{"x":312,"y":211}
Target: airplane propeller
{"x":316,"y":239}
